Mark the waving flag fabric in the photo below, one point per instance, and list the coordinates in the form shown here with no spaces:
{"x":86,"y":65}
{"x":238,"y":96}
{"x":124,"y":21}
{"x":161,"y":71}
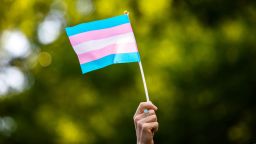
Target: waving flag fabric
{"x":103,"y":42}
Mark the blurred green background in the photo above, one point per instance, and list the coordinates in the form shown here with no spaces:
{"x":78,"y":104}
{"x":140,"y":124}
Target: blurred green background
{"x":199,"y":59}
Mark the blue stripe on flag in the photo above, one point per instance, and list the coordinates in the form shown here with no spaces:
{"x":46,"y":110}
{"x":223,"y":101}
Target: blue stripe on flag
{"x":110,"y":59}
{"x":96,"y":25}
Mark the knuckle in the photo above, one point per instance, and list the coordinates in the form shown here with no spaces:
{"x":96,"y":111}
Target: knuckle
{"x":151,"y":111}
{"x":141,"y":103}
{"x":140,"y":124}
{"x":154,"y":117}
{"x":157,"y":124}
{"x":136,"y":119}
{"x":144,"y":126}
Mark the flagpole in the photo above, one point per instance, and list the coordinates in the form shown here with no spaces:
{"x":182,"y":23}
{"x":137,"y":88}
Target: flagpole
{"x":144,"y":81}
{"x":141,"y":71}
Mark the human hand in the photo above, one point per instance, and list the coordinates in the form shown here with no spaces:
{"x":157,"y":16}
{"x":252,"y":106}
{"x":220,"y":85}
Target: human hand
{"x":145,"y":123}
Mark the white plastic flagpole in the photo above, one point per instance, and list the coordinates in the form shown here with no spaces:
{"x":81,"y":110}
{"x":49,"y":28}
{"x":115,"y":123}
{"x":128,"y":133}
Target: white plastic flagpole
{"x":144,"y":81}
{"x":142,"y":72}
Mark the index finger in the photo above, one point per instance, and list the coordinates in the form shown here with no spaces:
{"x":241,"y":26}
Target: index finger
{"x":145,"y":105}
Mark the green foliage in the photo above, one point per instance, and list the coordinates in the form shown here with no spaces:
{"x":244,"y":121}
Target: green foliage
{"x":199,"y":59}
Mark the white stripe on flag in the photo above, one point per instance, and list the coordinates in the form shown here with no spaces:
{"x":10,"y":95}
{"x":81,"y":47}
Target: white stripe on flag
{"x":101,"y":43}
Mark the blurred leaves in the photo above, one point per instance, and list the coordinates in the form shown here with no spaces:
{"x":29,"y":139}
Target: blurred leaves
{"x":198,"y":57}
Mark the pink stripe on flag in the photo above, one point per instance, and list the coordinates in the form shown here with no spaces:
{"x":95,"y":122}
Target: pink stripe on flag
{"x":99,"y":34}
{"x":108,"y":50}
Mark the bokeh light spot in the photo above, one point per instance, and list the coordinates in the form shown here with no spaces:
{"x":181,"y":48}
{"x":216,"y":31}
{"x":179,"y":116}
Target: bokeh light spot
{"x":69,"y":132}
{"x":49,"y":29}
{"x":12,"y":80}
{"x":3,"y":86}
{"x":154,"y":9}
{"x":233,"y":31}
{"x":7,"y":125}
{"x":15,"y":43}
{"x":84,"y":7}
{"x":44,"y":59}
{"x":239,"y":132}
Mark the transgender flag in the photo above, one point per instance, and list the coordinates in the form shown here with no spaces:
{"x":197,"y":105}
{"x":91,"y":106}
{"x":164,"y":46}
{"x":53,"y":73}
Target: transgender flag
{"x":104,"y":42}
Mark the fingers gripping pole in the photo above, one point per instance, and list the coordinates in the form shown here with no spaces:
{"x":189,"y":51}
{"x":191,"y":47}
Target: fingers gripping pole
{"x":144,"y":81}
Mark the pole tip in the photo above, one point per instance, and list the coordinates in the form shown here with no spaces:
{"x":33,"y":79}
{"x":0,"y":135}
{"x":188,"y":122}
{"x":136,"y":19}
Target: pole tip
{"x":126,"y":12}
